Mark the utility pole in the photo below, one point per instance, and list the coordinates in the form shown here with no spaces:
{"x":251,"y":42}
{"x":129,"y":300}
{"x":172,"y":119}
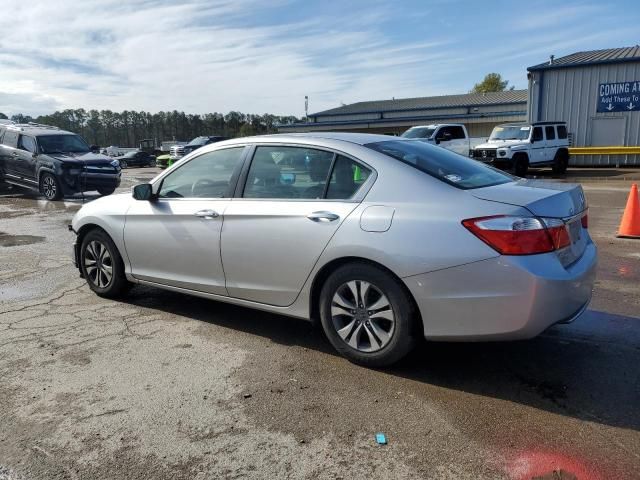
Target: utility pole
{"x":306,"y":107}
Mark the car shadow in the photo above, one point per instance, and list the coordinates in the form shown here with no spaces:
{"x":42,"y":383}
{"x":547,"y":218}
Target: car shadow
{"x":587,"y":370}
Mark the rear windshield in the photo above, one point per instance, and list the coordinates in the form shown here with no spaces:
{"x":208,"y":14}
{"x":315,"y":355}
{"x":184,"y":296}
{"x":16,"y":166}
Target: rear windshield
{"x":457,"y":170}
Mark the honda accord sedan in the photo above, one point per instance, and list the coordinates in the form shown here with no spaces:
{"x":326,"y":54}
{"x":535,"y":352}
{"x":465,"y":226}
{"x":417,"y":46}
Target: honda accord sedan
{"x":379,"y":240}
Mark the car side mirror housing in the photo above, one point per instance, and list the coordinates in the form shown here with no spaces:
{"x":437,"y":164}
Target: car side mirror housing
{"x":144,"y":191}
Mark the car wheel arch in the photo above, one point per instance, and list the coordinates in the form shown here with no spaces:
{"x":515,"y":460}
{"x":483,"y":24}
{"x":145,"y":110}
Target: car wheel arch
{"x":84,"y":230}
{"x":323,"y":274}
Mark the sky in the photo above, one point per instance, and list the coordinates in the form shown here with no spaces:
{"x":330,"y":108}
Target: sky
{"x":264,"y":56}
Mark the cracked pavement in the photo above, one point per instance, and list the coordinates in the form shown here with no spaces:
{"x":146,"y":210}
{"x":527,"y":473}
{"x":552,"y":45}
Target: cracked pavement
{"x":162,"y":385}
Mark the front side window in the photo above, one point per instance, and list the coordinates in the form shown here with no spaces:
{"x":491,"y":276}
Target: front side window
{"x":206,"y":176}
{"x":288,"y":173}
{"x":28,"y":144}
{"x":449,"y":167}
{"x":62,"y":144}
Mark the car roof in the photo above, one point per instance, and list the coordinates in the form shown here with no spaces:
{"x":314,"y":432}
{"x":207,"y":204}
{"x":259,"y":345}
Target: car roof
{"x":357,"y":138}
{"x":36,"y":129}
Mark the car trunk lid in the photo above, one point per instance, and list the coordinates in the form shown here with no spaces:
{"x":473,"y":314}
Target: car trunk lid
{"x":565,"y":201}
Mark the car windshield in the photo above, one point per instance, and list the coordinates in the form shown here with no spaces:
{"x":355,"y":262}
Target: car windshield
{"x":62,"y":143}
{"x":419,"y":132}
{"x":451,"y":168}
{"x":198,"y":141}
{"x":510,"y":132}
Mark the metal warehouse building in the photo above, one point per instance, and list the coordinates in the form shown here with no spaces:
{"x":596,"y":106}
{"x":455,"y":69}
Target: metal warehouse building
{"x":598,"y":94}
{"x":478,"y":112}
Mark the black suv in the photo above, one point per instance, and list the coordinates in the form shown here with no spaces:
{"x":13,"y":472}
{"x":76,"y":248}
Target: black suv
{"x":54,"y":162}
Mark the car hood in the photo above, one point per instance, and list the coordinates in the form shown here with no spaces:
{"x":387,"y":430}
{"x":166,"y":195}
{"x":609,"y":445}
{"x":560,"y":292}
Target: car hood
{"x":86,"y":158}
{"x":500,"y":143}
{"x":546,"y":199}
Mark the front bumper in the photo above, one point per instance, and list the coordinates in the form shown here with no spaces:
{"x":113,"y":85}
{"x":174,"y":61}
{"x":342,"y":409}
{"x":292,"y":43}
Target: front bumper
{"x":503,"y":298}
{"x":87,"y":182}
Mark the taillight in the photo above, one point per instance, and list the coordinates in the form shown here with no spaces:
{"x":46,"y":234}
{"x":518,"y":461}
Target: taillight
{"x":520,"y":235}
{"x":585,"y":221}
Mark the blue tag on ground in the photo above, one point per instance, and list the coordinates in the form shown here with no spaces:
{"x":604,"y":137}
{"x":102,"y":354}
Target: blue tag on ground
{"x":381,"y":439}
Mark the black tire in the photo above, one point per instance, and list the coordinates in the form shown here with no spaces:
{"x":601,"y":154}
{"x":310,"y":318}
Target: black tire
{"x":106,"y":191}
{"x":123,"y":163}
{"x":560,"y":162}
{"x":97,"y":277}
{"x":400,"y":337}
{"x":50,"y":186}
{"x":520,"y":166}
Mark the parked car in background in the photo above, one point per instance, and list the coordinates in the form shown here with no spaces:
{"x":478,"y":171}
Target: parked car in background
{"x":137,"y":159}
{"x":53,"y":162}
{"x":179,"y":151}
{"x":379,"y":239}
{"x":518,"y":146}
{"x":452,"y":136}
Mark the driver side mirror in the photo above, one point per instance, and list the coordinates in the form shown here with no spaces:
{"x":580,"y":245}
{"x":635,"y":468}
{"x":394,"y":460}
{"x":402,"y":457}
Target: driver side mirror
{"x":144,"y":191}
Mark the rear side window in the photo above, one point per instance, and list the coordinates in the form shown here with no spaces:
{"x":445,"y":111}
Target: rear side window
{"x":550,"y":132}
{"x":456,"y":170}
{"x":10,"y":139}
{"x":288,"y":172}
{"x":346,"y":178}
{"x":562,"y":132}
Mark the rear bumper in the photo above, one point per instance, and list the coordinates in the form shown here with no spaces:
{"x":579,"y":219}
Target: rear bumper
{"x":503,"y":298}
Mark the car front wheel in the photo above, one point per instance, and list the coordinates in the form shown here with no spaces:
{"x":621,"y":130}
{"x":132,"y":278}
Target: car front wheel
{"x":102,"y":265}
{"x":106,"y":191}
{"x":367,"y":315}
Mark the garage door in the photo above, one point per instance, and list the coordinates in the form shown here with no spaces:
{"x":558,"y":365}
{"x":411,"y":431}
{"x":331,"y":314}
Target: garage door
{"x":607,"y":131}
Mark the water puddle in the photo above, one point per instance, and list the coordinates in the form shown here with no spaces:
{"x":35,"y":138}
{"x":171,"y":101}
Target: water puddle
{"x":7,"y":240}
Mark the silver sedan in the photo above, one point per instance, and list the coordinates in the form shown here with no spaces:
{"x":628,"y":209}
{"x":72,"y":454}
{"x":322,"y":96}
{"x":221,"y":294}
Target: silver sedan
{"x":380,"y":240}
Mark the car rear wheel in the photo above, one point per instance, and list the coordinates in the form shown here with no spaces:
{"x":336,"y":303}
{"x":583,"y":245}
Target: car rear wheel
{"x":123,"y":163}
{"x":560,"y":162}
{"x":102,"y":265}
{"x":367,"y":315}
{"x":50,"y":187}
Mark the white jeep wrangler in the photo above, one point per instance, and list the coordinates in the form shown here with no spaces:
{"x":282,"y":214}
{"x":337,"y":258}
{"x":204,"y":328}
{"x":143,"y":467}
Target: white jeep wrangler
{"x":520,"y":146}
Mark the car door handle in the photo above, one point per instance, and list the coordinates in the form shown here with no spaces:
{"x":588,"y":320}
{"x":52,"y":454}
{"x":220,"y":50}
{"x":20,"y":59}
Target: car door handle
{"x":208,"y":214}
{"x":323,"y":217}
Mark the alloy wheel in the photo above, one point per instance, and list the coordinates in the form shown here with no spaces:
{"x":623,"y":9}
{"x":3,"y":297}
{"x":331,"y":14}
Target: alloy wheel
{"x":362,"y":316}
{"x":49,"y":187}
{"x":98,"y":264}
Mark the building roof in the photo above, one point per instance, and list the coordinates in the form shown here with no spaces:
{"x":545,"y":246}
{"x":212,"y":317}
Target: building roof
{"x":592,"y":57}
{"x":425,"y":103}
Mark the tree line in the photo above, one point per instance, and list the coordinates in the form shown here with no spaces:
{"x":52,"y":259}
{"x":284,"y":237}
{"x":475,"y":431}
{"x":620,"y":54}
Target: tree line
{"x":128,"y":128}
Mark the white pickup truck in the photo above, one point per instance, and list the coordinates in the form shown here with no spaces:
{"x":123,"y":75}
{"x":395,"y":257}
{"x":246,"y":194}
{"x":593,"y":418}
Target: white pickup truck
{"x":519,"y":146}
{"x":452,"y":136}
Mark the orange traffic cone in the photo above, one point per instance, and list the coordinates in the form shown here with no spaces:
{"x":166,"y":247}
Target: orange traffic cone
{"x":630,"y":225}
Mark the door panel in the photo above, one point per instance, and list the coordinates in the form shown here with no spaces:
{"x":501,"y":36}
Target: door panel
{"x":269,"y":247}
{"x":168,"y":243}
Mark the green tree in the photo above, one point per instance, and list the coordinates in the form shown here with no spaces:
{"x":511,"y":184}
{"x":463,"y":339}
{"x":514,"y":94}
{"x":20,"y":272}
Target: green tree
{"x":492,"y":82}
{"x":3,"y":116}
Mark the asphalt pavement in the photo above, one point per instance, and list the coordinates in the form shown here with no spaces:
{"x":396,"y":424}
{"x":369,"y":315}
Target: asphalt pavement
{"x":166,"y":386}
